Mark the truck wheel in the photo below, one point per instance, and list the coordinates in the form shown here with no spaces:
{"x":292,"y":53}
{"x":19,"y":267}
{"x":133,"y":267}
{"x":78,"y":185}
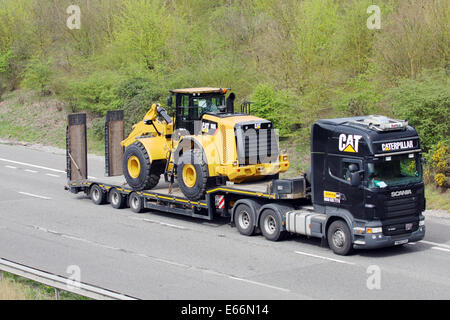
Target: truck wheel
{"x":244,"y":220}
{"x":270,"y":225}
{"x":136,"y":203}
{"x":192,"y":174}
{"x":339,"y":238}
{"x":116,"y":199}
{"x":98,"y":196}
{"x":137,"y":168}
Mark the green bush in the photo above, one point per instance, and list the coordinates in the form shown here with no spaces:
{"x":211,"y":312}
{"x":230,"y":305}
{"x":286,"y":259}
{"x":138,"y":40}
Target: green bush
{"x":97,"y":93}
{"x":276,"y":106}
{"x":38,"y":75}
{"x":137,"y":96}
{"x":425,"y":102}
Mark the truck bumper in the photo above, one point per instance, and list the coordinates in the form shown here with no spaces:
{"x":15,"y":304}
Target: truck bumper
{"x":373,"y":241}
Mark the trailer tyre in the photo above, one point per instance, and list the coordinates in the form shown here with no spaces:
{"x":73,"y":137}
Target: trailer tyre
{"x":97,"y":195}
{"x":244,"y":220}
{"x":139,"y":171}
{"x":116,"y":199}
{"x":192,"y":174}
{"x":136,"y":203}
{"x":339,"y":238}
{"x":270,"y":225}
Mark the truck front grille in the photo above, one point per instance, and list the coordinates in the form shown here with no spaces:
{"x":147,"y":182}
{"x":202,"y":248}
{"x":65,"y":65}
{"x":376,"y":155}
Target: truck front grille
{"x":401,"y":207}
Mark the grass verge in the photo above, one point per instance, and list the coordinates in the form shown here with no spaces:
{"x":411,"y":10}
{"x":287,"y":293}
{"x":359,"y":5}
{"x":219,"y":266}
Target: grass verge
{"x":27,"y":117}
{"x":13,"y":287}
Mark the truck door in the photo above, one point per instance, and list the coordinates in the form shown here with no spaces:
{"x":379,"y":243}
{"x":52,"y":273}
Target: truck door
{"x":352,"y":197}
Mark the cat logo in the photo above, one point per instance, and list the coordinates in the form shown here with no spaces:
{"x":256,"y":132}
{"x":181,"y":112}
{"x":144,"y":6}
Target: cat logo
{"x":349,"y":143}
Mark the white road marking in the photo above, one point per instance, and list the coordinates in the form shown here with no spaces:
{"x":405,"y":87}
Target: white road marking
{"x":441,"y":249}
{"x":52,"y":175}
{"x":34,"y":195}
{"x":160,"y":222}
{"x":31,"y":171}
{"x":32,"y":165}
{"x":10,"y":167}
{"x":325,"y":258}
{"x":259,"y":284}
{"x":435,"y":244}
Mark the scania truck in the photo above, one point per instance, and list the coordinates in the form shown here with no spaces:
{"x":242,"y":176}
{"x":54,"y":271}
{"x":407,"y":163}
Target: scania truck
{"x":363,"y":189}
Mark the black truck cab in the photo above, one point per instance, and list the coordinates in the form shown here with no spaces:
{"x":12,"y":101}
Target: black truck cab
{"x":368,"y":171}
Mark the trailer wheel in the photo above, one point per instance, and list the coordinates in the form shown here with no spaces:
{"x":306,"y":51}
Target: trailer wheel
{"x":244,"y":220}
{"x":116,"y":199}
{"x":270,"y":225}
{"x":192,"y":174}
{"x":98,"y":196}
{"x":136,"y":203}
{"x":339,"y":238}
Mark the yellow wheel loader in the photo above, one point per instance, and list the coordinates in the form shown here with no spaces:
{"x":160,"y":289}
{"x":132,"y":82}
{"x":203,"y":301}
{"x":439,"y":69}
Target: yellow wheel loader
{"x":204,"y":144}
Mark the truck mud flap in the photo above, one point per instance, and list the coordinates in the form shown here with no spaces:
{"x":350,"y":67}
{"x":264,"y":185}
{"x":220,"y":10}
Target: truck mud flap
{"x":76,"y":147}
{"x":114,"y":134}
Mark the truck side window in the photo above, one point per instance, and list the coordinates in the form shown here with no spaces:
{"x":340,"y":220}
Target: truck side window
{"x":347,"y":169}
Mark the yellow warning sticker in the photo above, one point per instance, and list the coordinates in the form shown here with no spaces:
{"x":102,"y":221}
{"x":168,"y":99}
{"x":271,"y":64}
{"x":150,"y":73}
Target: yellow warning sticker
{"x":330,"y":196}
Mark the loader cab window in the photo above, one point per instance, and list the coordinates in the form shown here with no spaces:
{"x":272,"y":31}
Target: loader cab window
{"x":208,"y":104}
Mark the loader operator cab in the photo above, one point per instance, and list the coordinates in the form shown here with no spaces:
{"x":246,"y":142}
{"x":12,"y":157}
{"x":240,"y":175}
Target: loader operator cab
{"x":192,"y":103}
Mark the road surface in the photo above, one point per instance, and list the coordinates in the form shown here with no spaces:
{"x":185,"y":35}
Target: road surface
{"x":162,"y":256}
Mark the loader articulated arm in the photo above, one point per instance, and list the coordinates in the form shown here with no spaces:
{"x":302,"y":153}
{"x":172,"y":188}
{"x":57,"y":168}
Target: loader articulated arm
{"x":156,"y":122}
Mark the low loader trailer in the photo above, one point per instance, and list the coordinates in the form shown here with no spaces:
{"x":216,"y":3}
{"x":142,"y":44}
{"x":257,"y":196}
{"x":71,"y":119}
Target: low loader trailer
{"x":363,"y":190}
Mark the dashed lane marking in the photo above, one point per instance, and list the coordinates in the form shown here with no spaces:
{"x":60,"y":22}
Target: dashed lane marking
{"x":32,"y":165}
{"x":324,"y":258}
{"x":34,"y":195}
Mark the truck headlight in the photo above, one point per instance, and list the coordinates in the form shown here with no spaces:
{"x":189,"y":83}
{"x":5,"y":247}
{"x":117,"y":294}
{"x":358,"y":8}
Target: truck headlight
{"x":421,"y":223}
{"x":374,"y":230}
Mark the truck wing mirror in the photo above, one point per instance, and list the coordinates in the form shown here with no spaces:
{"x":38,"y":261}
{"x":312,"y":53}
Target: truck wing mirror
{"x":355,"y":178}
{"x":169,"y":101}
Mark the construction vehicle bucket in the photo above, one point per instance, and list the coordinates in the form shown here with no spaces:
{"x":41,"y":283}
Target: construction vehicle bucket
{"x":76,"y":147}
{"x":114,"y":134}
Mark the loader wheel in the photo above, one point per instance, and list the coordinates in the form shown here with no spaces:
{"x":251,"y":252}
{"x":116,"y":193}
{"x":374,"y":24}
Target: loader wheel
{"x":192,"y":174}
{"x":137,"y":168}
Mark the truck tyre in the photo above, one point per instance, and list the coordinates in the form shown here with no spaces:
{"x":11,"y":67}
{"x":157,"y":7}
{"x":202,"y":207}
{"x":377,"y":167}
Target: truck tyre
{"x":244,"y":220}
{"x":137,"y":168}
{"x":270,"y":225}
{"x":116,"y":199}
{"x":192,"y":174}
{"x":97,"y":195}
{"x":136,"y":203}
{"x":339,"y":238}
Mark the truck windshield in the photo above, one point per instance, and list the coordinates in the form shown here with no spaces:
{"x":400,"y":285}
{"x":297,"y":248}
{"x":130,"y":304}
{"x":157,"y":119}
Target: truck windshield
{"x":394,"y":173}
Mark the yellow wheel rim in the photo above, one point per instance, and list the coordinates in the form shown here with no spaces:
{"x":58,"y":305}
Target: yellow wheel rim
{"x":189,"y":175}
{"x":134,"y":167}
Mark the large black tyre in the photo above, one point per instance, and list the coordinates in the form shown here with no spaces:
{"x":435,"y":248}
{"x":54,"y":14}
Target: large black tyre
{"x":136,"y":203}
{"x":116,"y":199}
{"x":339,"y":238}
{"x":270,"y":226}
{"x":192,"y":174}
{"x":98,"y":196}
{"x":244,"y":220}
{"x":137,"y":169}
